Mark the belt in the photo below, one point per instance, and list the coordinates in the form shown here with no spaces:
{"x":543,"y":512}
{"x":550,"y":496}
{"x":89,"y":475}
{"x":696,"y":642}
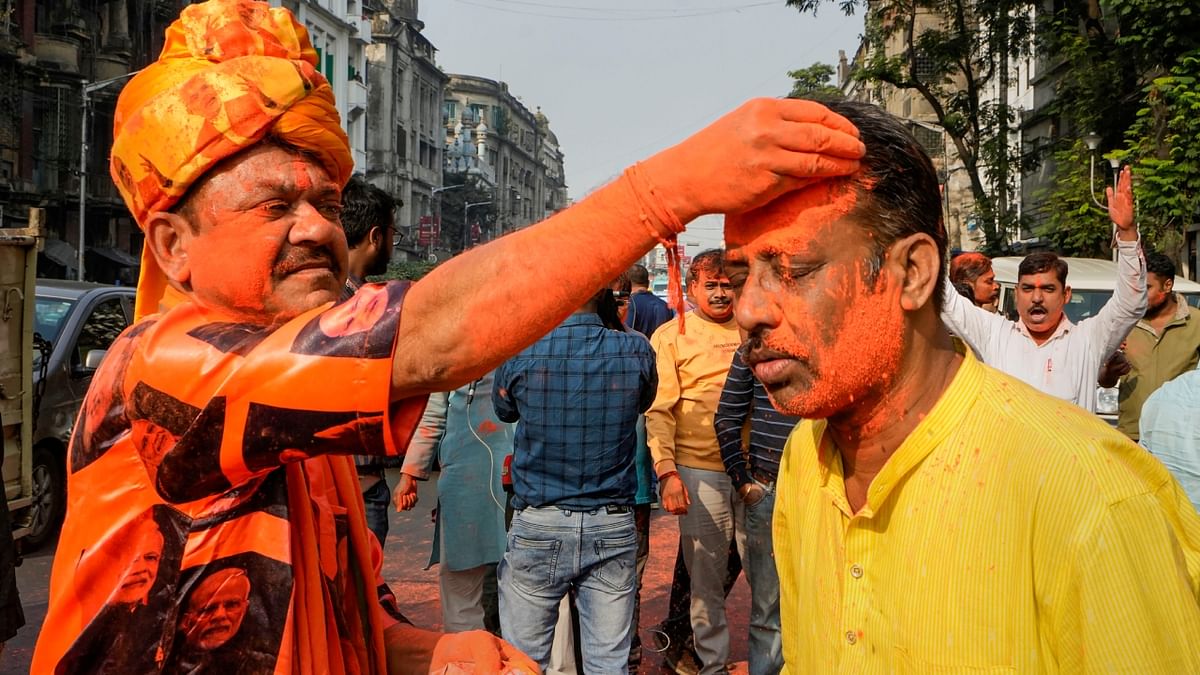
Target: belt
{"x":763,"y":477}
{"x":611,"y":509}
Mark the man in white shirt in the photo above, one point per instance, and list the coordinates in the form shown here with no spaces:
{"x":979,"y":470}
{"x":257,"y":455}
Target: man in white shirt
{"x":1044,"y":348}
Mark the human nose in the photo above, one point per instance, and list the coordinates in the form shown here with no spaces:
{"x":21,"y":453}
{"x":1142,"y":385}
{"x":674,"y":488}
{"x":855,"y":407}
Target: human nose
{"x":755,"y":307}
{"x":312,"y":226}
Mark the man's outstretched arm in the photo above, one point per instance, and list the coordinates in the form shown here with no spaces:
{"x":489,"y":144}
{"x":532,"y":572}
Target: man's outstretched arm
{"x":1128,"y":302}
{"x":479,"y":308}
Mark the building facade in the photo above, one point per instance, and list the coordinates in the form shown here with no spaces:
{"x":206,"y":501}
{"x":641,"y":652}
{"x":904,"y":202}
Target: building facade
{"x":404,"y":140}
{"x":340,"y":31}
{"x":49,"y":52}
{"x":492,"y":134}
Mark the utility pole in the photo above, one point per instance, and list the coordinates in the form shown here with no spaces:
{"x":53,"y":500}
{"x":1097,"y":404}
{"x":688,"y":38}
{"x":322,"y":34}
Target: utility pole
{"x":85,"y":114}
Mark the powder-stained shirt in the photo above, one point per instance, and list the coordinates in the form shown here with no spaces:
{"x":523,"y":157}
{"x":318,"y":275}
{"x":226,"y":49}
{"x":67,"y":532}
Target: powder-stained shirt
{"x":211,"y":454}
{"x":744,"y":397}
{"x":1068,"y":364}
{"x":1170,"y":427}
{"x":1010,"y":532}
{"x":1156,"y":357}
{"x":576,"y":395}
{"x":691,"y":373}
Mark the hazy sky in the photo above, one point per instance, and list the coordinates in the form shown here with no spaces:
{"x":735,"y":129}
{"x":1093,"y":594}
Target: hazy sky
{"x":622,"y":79}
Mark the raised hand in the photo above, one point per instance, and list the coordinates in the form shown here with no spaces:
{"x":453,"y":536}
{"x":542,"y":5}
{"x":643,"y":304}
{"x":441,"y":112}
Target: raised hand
{"x":752,"y":155}
{"x":1120,"y":204}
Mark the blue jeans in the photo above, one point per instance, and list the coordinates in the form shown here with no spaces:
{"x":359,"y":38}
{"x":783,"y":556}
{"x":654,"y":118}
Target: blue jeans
{"x":378,"y":499}
{"x":551,"y":551}
{"x":766,"y":642}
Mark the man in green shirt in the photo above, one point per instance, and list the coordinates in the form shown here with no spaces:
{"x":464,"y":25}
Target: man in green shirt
{"x":1163,"y":345}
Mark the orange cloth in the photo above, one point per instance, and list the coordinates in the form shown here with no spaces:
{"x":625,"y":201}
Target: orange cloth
{"x":214,"y":518}
{"x":231,"y":72}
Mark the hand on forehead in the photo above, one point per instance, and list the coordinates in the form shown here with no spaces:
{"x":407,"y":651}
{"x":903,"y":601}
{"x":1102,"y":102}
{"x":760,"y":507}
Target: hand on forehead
{"x":794,"y":218}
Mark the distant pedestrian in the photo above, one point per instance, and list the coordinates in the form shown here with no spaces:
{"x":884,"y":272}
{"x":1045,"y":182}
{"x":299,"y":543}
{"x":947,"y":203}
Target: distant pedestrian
{"x":369,"y":219}
{"x":692,"y":366}
{"x":1044,"y":348}
{"x":576,"y":395}
{"x":461,"y":433}
{"x":1164,"y":344}
{"x":1170,"y":430}
{"x":647,"y":311}
{"x":754,"y":468}
{"x":975,"y":271}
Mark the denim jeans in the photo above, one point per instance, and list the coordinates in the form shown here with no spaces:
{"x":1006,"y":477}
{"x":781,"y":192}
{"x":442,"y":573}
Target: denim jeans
{"x":766,"y":642}
{"x":378,"y":501}
{"x":552,"y":551}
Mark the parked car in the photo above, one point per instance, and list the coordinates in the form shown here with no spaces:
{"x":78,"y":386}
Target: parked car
{"x":74,"y":325}
{"x":1092,"y":281}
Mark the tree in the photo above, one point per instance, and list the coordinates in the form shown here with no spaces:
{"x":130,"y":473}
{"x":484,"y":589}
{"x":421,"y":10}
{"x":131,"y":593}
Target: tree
{"x":1130,"y":76}
{"x":954,"y":55}
{"x":815,"y":81}
{"x":456,"y":233}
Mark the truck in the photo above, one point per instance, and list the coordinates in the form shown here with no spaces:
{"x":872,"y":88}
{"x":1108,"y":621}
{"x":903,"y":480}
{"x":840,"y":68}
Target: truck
{"x":18,"y":278}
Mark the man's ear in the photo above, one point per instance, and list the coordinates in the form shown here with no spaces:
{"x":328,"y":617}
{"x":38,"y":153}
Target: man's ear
{"x":375,"y":236}
{"x":169,"y":236}
{"x":920,"y":268}
{"x":1066,"y":295}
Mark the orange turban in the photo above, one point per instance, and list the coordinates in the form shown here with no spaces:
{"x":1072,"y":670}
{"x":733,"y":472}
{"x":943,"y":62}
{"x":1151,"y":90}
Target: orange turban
{"x":230,"y":73}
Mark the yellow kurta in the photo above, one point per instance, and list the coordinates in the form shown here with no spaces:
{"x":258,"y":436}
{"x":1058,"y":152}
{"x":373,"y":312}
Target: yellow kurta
{"x":1011,"y":532}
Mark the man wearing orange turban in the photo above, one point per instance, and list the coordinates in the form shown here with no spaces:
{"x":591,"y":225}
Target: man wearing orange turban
{"x":232,"y":406}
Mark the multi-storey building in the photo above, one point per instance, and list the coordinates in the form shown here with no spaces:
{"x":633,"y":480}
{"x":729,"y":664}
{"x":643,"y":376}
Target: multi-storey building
{"x":49,"y":53}
{"x":404,"y":142}
{"x":492,"y":133}
{"x":340,"y":31}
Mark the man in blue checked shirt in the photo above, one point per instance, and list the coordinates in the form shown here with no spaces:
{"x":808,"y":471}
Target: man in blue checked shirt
{"x":753,"y":471}
{"x":576,"y":396}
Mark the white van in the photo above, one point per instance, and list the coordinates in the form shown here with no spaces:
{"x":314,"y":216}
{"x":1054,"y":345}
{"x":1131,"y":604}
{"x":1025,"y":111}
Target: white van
{"x":1091,"y":281}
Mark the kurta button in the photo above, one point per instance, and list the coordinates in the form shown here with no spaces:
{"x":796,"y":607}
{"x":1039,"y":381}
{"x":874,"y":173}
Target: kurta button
{"x":851,"y":637}
{"x":856,"y":571}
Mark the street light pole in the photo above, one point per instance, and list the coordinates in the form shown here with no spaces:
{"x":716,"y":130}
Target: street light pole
{"x":85,"y":113}
{"x":437,"y":216}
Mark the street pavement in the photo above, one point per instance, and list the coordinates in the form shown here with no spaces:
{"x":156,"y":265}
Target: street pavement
{"x":406,"y":554}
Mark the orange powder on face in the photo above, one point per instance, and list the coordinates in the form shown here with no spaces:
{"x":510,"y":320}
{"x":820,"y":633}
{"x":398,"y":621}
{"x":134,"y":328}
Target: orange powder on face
{"x":790,"y":223}
{"x":848,"y":356}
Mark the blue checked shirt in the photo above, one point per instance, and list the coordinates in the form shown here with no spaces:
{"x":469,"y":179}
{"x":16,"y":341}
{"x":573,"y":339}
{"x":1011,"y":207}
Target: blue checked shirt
{"x":576,"y":395}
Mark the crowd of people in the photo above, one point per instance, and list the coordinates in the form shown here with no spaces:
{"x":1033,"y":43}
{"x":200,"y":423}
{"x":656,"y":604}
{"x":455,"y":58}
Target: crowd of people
{"x":910,"y":481}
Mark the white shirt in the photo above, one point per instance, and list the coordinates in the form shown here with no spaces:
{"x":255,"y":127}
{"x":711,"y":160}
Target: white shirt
{"x":1068,"y":364}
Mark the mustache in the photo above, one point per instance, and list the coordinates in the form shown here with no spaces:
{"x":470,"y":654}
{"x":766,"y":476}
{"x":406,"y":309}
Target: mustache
{"x":298,"y":258}
{"x":756,"y":349}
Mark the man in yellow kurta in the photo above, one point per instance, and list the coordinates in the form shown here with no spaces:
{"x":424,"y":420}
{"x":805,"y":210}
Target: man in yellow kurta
{"x":211,"y":458}
{"x":935,"y":515}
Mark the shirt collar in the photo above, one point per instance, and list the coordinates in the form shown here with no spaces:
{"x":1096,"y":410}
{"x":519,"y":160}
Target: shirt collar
{"x":945,"y":417}
{"x":583,"y":319}
{"x":354,"y":283}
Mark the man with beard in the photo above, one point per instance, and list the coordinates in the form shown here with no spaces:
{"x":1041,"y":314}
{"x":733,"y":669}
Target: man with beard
{"x":1045,"y":349}
{"x":369,"y":221}
{"x":1162,"y":346}
{"x":934,"y":514}
{"x":693,"y":360}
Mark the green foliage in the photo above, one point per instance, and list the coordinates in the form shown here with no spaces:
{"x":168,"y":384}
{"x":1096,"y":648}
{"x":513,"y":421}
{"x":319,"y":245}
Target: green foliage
{"x":411,"y":270}
{"x":815,"y":81}
{"x":1131,"y":79}
{"x":473,"y":191}
{"x":952,"y":63}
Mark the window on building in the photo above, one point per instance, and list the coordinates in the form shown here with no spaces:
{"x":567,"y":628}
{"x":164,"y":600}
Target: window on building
{"x":923,"y":69}
{"x":401,"y":142}
{"x":478,"y":112}
{"x":931,"y":140}
{"x":449,"y":111}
